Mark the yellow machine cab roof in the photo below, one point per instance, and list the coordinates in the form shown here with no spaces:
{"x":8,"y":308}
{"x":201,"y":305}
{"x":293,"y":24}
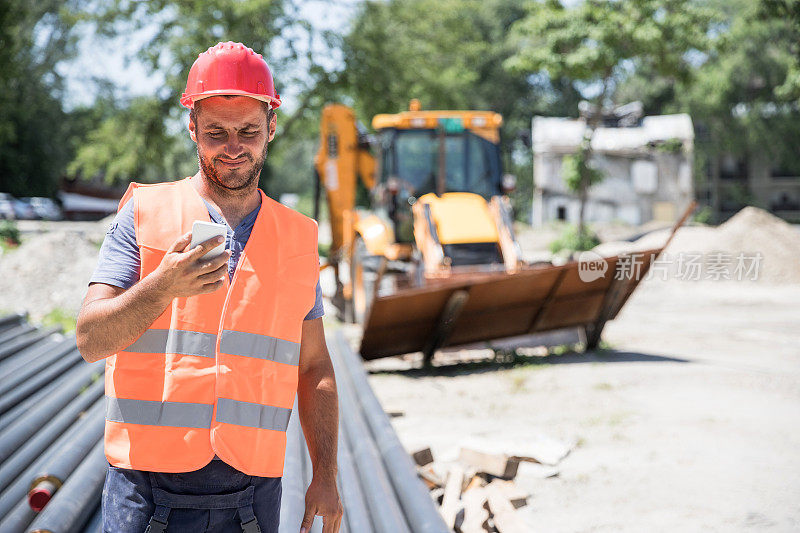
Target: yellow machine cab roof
{"x":415,"y":118}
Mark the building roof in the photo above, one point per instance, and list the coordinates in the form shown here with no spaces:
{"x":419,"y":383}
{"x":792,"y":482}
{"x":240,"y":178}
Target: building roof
{"x":557,"y":134}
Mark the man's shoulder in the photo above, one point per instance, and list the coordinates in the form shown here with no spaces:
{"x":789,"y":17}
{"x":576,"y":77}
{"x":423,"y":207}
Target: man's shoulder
{"x":136,"y":189}
{"x":292,"y":216}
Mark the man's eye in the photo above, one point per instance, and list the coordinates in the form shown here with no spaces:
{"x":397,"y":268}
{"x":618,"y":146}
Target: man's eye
{"x":249,"y":133}
{"x":216,"y":134}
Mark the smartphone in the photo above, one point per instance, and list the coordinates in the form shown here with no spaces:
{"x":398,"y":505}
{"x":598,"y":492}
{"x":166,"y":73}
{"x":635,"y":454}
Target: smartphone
{"x":202,"y":231}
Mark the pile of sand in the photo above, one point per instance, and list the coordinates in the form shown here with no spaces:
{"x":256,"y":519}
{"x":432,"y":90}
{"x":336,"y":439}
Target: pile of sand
{"x":46,"y":272}
{"x":762,"y":241}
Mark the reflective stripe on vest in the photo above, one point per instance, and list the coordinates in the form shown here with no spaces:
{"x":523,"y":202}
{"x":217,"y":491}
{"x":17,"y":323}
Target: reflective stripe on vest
{"x":175,"y":341}
{"x":252,"y":415}
{"x":260,"y":347}
{"x":204,"y":344}
{"x":196,"y":415}
{"x":149,"y":413}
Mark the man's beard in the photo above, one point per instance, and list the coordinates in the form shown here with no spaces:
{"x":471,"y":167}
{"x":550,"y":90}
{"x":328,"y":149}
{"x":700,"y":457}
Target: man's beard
{"x":210,"y":171}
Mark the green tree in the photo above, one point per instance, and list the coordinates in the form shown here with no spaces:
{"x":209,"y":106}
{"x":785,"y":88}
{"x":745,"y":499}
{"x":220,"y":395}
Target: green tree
{"x":34,"y":38}
{"x":598,"y":43}
{"x":449,"y":54}
{"x":744,"y":96}
{"x":144,"y":138}
{"x":744,"y":93}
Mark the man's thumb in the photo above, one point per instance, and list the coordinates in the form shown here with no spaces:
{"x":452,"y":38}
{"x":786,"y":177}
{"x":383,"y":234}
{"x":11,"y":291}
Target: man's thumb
{"x":181,"y":243}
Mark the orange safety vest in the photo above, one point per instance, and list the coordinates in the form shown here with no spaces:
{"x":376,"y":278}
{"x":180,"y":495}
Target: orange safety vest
{"x":215,"y":373}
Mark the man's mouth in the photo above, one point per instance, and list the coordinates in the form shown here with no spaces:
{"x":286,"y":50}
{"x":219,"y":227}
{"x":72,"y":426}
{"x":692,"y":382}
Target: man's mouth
{"x":231,"y":163}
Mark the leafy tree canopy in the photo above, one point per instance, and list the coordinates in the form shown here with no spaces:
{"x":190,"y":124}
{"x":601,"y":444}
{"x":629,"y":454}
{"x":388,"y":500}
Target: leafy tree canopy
{"x":597,"y":43}
{"x":144,"y":138}
{"x":34,"y":38}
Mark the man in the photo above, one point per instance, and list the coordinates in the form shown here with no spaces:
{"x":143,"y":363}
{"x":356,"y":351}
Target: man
{"x":204,"y":356}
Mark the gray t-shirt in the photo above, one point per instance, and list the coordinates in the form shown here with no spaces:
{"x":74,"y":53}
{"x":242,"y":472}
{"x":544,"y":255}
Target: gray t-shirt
{"x":119,"y":261}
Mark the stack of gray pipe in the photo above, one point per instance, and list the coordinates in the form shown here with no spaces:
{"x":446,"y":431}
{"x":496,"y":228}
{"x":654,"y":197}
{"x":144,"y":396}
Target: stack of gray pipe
{"x":51,"y":427}
{"x":51,"y":450}
{"x":377,"y":480}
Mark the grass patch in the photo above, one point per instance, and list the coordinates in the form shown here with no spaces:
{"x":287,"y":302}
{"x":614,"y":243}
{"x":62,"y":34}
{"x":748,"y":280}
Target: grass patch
{"x":563,"y":349}
{"x":9,"y":233}
{"x":571,"y":240}
{"x":60,"y":317}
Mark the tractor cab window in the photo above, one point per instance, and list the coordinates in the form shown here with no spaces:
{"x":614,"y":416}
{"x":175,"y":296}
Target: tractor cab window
{"x":484,"y":166}
{"x":472,"y":163}
{"x":415,"y":159}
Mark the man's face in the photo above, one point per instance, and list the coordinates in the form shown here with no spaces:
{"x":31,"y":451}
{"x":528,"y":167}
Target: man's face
{"x":231,"y":136}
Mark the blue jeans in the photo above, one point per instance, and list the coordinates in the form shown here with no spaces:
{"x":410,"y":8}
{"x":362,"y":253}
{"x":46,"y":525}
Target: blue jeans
{"x":128,"y":502}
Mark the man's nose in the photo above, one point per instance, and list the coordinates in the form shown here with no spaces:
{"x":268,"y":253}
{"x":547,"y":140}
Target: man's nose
{"x":233,"y":148}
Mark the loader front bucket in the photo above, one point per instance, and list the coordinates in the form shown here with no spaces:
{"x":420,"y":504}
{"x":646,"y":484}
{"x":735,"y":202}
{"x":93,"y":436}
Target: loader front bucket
{"x":483,"y":307}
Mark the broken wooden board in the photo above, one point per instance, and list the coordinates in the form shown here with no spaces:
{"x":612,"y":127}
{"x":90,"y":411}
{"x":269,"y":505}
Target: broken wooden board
{"x":499,"y":465}
{"x":537,"y":447}
{"x":511,"y":491}
{"x":529,"y":469}
{"x":423,"y":457}
{"x":504,"y":515}
{"x":430,"y":477}
{"x":451,"y":503}
{"x":475,"y":513}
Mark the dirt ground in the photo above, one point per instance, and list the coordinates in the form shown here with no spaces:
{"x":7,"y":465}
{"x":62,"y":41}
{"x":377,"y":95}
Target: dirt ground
{"x":688,"y":423}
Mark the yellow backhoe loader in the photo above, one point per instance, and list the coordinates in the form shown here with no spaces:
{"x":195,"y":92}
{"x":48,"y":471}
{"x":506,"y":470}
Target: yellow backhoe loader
{"x":434,"y":261}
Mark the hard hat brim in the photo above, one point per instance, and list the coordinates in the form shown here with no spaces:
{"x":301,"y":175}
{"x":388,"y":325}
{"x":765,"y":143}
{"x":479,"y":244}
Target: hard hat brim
{"x":188,"y":100}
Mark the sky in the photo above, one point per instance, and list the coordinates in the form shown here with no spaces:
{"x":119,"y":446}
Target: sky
{"x":115,"y":59}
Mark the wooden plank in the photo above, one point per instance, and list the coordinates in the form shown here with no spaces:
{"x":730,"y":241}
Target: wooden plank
{"x":475,"y":512}
{"x":513,"y":492}
{"x":423,"y":457}
{"x":451,"y":503}
{"x":474,"y":483}
{"x":429,"y":477}
{"x":504,"y":515}
{"x":498,"y":465}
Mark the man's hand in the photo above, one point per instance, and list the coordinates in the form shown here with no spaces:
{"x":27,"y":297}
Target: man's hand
{"x":183,"y":273}
{"x":322,"y":498}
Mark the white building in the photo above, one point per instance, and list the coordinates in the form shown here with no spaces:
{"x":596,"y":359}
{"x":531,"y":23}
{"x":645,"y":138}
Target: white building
{"x":648,"y":170}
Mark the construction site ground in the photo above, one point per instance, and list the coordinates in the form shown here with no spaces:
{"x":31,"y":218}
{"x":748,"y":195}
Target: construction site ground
{"x":688,"y":423}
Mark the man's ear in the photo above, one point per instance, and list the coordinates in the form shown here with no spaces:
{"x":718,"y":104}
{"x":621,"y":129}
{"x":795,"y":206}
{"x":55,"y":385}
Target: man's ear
{"x":192,"y":132}
{"x":273,"y":124}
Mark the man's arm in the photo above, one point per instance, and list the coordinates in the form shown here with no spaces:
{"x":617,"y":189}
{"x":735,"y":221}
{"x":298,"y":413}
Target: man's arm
{"x":319,"y":415}
{"x":112,"y":318}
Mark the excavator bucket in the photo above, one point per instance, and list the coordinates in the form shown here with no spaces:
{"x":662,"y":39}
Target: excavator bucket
{"x":499,"y":305}
{"x":481,"y":307}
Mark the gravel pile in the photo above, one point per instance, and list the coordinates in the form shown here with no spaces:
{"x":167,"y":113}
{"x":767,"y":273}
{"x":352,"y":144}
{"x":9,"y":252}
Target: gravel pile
{"x":49,"y":271}
{"x":754,"y":235}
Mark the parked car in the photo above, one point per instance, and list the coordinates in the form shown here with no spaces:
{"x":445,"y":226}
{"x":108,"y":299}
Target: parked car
{"x":45,"y":208}
{"x":23,"y":210}
{"x":7,"y":206}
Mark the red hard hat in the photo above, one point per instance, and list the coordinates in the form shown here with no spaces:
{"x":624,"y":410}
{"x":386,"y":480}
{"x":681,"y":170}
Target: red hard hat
{"x":230,"y":68}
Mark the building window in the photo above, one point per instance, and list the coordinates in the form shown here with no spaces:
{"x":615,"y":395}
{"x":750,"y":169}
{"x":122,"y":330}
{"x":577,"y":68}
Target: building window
{"x":785,"y":168}
{"x":561,"y":213}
